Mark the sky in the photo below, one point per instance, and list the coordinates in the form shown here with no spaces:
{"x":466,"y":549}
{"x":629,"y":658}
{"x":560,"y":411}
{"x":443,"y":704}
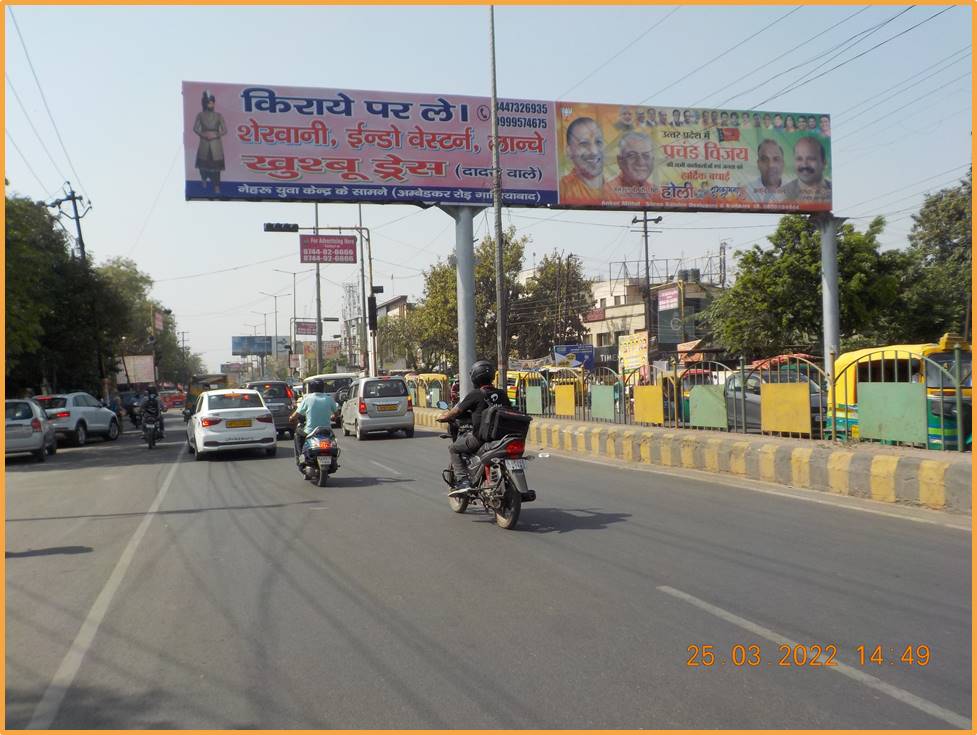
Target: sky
{"x":111,"y":78}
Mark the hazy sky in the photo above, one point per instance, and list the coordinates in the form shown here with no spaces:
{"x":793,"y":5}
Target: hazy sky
{"x":111,"y":76}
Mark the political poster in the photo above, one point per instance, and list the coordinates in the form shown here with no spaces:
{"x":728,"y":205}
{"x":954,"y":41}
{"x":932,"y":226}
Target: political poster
{"x":263,"y":142}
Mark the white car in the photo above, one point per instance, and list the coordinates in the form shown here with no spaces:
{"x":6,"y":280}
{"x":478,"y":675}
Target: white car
{"x":76,"y":416}
{"x":230,"y":419}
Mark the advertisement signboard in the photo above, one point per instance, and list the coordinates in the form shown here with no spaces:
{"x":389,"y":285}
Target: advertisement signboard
{"x":305,"y":328}
{"x":232,"y":367}
{"x":331,"y":349}
{"x":533,"y":364}
{"x":574,"y":356}
{"x":668,"y":299}
{"x":327,"y":249}
{"x":251,"y":345}
{"x":632,"y":351}
{"x":276,"y":143}
{"x":137,"y":369}
{"x":308,"y":350}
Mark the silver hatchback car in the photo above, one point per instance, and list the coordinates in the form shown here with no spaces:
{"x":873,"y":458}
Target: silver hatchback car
{"x":29,"y":430}
{"x":377,"y":404}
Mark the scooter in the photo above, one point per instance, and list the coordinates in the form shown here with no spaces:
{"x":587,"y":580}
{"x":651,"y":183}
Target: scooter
{"x":320,"y":455}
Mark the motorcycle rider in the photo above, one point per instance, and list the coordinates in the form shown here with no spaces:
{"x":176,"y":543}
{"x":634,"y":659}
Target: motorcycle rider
{"x":152,"y":409}
{"x":468,"y":413}
{"x":317,"y":409}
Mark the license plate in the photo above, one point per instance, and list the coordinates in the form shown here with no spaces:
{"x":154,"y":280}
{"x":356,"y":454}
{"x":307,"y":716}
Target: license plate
{"x":238,"y":423}
{"x":515,"y":464}
{"x":386,"y":407}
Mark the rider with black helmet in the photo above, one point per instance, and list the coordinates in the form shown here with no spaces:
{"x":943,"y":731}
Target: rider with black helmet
{"x":468,"y":414}
{"x":152,"y":408}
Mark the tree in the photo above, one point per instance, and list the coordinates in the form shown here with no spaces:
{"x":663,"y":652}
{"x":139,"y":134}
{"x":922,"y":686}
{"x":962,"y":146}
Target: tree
{"x":486,"y":315}
{"x":550,"y":312}
{"x":775,"y":303}
{"x":936,"y":281}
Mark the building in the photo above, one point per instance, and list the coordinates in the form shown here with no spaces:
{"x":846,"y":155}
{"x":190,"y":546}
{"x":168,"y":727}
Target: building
{"x":619,"y":310}
{"x":395,"y":308}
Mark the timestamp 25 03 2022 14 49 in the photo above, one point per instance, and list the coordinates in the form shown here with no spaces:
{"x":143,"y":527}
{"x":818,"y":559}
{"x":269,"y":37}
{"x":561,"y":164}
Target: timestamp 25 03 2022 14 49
{"x":797,"y":655}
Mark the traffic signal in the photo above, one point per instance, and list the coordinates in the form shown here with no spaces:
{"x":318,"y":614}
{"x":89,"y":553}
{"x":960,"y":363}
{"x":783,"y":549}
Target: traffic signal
{"x":371,"y":312}
{"x":281,"y":227}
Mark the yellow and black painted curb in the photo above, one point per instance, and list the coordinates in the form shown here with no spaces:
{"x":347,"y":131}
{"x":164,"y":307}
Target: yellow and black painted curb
{"x":943,"y":482}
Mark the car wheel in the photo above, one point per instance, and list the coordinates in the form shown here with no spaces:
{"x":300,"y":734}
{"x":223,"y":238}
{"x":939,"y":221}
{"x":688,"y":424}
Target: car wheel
{"x":113,"y":431}
{"x":360,"y":434}
{"x":199,"y":456}
{"x":271,"y":451}
{"x":52,"y":448}
{"x":345,"y":430}
{"x":190,"y":449}
{"x":40,"y":455}
{"x":409,"y":433}
{"x":81,"y":435}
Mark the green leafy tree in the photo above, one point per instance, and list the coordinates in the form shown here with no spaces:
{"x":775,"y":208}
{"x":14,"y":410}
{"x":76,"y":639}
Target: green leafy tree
{"x":551,"y":309}
{"x":775,"y":303}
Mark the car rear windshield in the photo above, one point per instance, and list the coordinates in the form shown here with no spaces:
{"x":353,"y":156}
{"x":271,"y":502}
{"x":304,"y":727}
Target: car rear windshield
{"x":234,"y":400}
{"x":271,"y":390}
{"x":19,"y":411}
{"x":384,"y":389}
{"x":52,"y":401}
{"x":331,"y":386}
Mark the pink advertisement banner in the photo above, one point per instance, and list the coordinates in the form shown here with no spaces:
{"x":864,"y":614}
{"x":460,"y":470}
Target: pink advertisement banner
{"x":276,"y":143}
{"x":327,"y":249}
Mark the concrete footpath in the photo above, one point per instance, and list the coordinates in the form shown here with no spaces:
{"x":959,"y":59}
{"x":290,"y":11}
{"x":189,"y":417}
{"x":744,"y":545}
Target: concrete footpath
{"x":940,"y":480}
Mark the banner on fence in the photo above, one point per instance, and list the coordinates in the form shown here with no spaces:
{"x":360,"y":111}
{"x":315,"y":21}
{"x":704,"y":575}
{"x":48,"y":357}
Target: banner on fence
{"x":632,"y":351}
{"x":533,"y":364}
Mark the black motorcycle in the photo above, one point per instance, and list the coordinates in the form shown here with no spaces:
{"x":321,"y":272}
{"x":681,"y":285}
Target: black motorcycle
{"x":320,"y":455}
{"x":497,"y":473}
{"x":151,"y":430}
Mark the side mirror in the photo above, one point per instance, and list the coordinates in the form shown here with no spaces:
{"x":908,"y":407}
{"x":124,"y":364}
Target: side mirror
{"x":443,"y":405}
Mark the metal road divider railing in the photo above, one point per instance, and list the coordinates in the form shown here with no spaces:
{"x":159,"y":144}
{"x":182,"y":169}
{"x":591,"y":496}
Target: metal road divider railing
{"x":889,"y":396}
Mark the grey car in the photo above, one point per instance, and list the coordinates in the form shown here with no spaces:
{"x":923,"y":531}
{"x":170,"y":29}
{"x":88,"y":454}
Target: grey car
{"x":76,"y":416}
{"x":280,"y":400}
{"x":377,"y":404}
{"x":29,"y":430}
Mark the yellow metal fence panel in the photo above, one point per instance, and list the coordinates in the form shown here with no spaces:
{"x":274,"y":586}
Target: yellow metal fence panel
{"x":649,"y":405}
{"x":565,"y":401}
{"x":785,"y":407}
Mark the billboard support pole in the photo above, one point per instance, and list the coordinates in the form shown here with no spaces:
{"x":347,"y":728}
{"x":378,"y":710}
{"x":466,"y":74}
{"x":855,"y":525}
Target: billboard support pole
{"x":827,"y":224}
{"x":318,"y":306}
{"x":364,"y":232}
{"x":500,"y":305}
{"x":465,"y":275}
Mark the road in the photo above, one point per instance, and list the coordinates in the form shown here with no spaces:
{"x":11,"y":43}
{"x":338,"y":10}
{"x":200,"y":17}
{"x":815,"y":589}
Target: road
{"x":146,"y":590}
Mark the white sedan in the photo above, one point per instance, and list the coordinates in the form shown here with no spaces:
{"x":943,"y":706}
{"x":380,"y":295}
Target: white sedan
{"x":230,"y":419}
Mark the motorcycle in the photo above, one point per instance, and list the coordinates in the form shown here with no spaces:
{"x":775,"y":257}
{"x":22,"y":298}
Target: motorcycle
{"x":150,"y":431}
{"x":497,"y":473}
{"x":320,"y":455}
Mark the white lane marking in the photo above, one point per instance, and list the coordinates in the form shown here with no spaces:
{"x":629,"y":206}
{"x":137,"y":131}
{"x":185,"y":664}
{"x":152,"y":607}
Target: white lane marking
{"x":923,"y":705}
{"x":47,"y":708}
{"x":391,"y":470}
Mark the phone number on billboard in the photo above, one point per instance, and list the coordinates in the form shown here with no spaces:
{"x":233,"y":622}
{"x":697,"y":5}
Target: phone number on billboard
{"x":522,"y":122}
{"x":533,"y":108}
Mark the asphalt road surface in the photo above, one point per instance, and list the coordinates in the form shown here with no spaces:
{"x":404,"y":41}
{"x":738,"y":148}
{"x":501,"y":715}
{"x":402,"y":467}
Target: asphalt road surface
{"x":146,"y":590}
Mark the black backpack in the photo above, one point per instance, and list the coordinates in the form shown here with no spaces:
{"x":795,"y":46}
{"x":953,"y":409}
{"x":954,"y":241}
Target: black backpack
{"x":499,"y":421}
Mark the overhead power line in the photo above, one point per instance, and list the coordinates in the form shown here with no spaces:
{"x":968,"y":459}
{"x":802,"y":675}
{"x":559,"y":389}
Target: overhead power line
{"x":47,"y":107}
{"x":33,"y":128}
{"x":629,"y":45}
{"x":721,"y":55}
{"x":818,"y":56}
{"x":27,"y":163}
{"x":855,"y":57}
{"x":778,"y":58}
{"x":152,"y":207}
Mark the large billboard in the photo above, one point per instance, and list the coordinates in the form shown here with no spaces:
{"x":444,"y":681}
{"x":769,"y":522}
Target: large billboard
{"x":136,"y":369}
{"x":251,"y":345}
{"x":272,"y":143}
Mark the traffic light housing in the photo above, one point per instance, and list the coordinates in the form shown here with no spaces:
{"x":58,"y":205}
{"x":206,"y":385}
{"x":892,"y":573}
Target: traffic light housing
{"x":371,"y":312}
{"x":281,"y":227}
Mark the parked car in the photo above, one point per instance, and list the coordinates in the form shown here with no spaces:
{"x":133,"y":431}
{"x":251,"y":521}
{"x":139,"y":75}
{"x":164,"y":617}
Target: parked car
{"x":737,"y":399}
{"x":76,"y":416}
{"x":29,"y":430}
{"x":172,"y":399}
{"x":377,"y":404}
{"x":280,"y":399}
{"x":230,"y":419}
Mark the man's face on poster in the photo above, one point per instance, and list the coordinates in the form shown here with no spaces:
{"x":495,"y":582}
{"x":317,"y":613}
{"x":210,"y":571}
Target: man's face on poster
{"x":770,"y":161}
{"x":808,"y":162}
{"x":636,"y":159}
{"x":585,"y":148}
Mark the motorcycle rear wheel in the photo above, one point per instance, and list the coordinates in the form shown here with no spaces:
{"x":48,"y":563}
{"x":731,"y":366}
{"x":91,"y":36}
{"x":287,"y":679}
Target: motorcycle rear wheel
{"x":508,"y":515}
{"x":322,"y":478}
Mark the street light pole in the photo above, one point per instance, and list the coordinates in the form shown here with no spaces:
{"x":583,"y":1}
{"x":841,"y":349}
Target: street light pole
{"x":644,"y":228}
{"x":275,"y":297}
{"x":264,"y":333}
{"x":500,"y":306}
{"x":294,"y":292}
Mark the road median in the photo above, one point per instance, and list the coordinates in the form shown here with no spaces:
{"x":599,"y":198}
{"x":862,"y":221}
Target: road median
{"x":940,"y":480}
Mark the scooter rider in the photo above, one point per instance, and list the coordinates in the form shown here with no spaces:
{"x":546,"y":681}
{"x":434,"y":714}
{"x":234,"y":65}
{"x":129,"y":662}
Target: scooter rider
{"x":151,"y":409}
{"x":316,"y":409}
{"x":468,"y":414}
